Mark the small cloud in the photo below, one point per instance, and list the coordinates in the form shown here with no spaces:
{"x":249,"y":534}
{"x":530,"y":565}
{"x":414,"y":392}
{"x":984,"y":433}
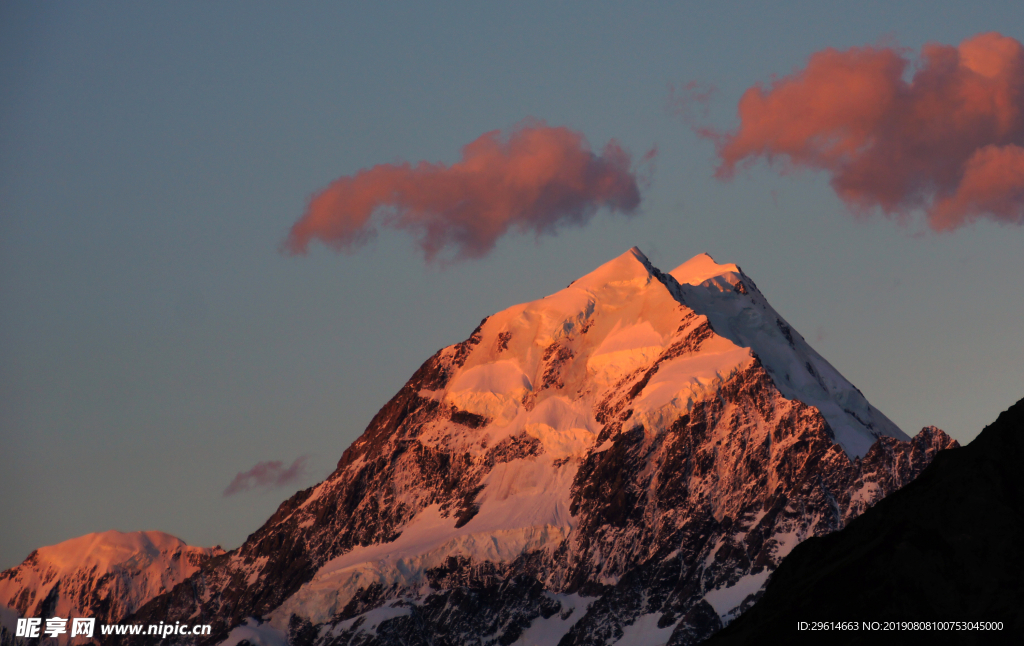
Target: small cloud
{"x":943,"y":134}
{"x":269,"y":475}
{"x":535,"y":179}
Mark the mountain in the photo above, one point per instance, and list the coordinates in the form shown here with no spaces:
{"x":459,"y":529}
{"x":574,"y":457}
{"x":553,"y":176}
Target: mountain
{"x":945,"y":548}
{"x":624,"y":461}
{"x":106,"y":575}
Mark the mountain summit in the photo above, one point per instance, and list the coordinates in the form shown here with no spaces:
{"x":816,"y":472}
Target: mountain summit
{"x":105,"y":575}
{"x":624,"y":461}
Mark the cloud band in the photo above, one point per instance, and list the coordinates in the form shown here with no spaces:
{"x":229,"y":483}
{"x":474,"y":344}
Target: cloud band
{"x":948,"y":141}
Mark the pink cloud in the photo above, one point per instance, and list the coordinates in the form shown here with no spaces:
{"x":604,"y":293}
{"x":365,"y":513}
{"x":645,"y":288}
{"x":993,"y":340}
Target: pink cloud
{"x":267,"y":474}
{"x":534,"y":179}
{"x":949,"y":141}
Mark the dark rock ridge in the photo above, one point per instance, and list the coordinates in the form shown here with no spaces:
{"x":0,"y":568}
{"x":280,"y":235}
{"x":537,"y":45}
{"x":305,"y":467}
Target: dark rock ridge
{"x":632,"y":455}
{"x":948,"y":547}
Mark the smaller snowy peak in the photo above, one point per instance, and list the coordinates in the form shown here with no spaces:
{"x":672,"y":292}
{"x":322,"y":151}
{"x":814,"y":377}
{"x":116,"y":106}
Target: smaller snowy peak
{"x":703,"y":270}
{"x":737,"y":310}
{"x":107,"y":550}
{"x":105,"y":575}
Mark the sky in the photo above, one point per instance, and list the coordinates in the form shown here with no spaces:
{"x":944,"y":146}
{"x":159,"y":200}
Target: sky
{"x":196,"y":321}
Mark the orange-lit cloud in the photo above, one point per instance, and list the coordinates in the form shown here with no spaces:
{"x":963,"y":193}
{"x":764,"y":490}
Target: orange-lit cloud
{"x":267,"y":474}
{"x":948,"y":141}
{"x":536,"y":179}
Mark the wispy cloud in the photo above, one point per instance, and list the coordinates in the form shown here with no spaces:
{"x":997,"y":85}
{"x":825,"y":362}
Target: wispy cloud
{"x":692,"y":102}
{"x":948,"y":140}
{"x":536,"y":179}
{"x":268,"y":475}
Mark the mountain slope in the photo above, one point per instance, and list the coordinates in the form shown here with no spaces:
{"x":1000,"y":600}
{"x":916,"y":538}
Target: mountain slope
{"x":106,"y":575}
{"x":945,"y":548}
{"x":633,"y":454}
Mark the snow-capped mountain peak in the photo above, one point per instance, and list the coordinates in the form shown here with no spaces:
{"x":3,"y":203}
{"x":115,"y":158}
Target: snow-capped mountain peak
{"x":104,"y":551}
{"x":702,"y":268}
{"x":632,"y":454}
{"x":631,"y":267}
{"x":104,"y":575}
{"x":622,"y":317}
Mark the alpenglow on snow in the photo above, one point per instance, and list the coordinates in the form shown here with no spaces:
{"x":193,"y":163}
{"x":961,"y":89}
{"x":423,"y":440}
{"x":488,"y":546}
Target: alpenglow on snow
{"x":622,"y":462}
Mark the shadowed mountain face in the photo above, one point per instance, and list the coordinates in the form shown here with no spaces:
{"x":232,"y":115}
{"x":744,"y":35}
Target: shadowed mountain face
{"x":622,"y":462}
{"x":947,"y":547}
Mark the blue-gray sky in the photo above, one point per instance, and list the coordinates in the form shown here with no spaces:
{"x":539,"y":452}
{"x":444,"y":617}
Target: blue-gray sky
{"x":155,"y":342}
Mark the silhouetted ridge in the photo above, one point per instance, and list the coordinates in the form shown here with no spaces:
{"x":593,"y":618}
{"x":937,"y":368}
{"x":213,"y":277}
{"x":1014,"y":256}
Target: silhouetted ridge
{"x":947,"y":547}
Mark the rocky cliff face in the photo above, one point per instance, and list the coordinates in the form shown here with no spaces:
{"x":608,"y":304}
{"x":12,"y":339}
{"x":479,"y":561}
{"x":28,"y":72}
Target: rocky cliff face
{"x":107,"y":576}
{"x":947,"y":548}
{"x":625,"y":461}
